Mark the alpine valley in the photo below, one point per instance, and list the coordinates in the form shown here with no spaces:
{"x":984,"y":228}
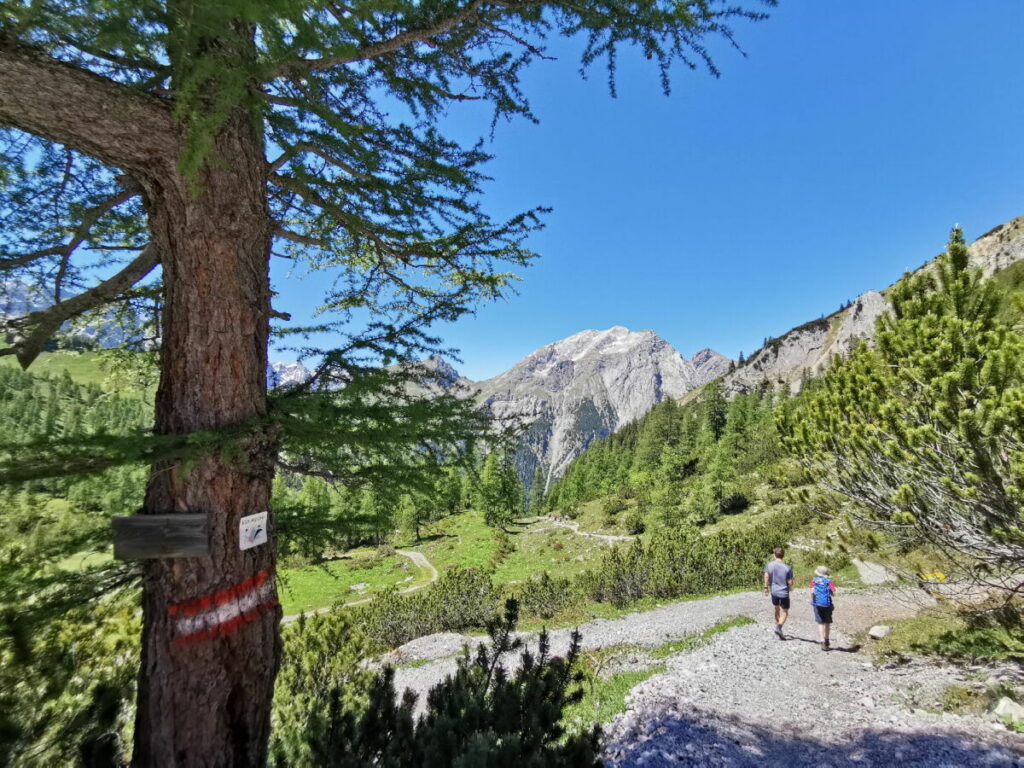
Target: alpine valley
{"x":567,"y":394}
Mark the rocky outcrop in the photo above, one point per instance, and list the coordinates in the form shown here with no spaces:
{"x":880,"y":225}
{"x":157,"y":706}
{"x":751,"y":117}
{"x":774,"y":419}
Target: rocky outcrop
{"x":584,"y":387}
{"x":808,"y":349}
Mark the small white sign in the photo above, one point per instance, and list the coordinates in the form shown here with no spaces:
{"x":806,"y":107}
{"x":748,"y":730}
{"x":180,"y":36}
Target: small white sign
{"x":252,"y":530}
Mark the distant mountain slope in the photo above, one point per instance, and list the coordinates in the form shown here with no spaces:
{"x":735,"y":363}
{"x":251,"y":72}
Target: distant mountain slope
{"x":808,"y":349}
{"x":587,"y":386}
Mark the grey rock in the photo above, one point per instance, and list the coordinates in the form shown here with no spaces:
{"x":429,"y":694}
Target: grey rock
{"x":879,"y":631}
{"x":1007,"y":707}
{"x":807,"y":350}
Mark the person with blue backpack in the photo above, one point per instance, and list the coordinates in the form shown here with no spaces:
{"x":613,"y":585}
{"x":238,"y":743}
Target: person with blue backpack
{"x":822,"y":589}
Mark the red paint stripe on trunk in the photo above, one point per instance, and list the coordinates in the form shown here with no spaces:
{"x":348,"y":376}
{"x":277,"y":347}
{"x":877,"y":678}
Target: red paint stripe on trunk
{"x":227,"y":627}
{"x":221,"y":597}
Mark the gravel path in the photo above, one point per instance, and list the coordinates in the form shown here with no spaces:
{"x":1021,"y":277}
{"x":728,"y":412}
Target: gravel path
{"x":653,"y":628}
{"x":748,"y":699}
{"x":575,"y":528}
{"x":417,"y":558}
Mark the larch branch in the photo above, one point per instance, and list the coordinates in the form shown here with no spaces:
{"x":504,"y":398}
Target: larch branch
{"x":32,"y":331}
{"x":97,"y":116}
{"x":384,"y":47}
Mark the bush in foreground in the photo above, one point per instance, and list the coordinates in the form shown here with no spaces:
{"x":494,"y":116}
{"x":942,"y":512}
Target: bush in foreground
{"x":480,"y":716}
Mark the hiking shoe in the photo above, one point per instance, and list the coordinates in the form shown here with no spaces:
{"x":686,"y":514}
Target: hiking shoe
{"x":778,"y":633}
{"x":824,"y":645}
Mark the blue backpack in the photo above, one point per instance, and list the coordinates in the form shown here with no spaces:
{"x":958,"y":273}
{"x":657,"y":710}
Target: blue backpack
{"x":822,"y":593}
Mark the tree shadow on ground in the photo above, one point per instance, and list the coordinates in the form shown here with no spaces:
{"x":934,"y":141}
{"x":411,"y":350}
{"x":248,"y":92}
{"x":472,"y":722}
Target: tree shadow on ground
{"x":732,"y":743}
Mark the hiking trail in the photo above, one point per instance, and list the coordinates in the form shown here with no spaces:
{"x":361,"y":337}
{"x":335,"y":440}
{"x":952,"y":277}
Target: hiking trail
{"x":748,"y":699}
{"x":418,"y":559}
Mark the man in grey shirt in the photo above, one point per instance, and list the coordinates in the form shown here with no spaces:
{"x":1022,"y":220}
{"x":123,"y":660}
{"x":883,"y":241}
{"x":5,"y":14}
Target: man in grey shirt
{"x":778,"y":579}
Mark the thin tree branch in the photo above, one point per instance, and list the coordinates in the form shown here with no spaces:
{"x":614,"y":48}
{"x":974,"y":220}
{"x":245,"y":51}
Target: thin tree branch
{"x":295,"y":237}
{"x":80,"y":235}
{"x":304,"y":146}
{"x":384,"y":47}
{"x":41,"y":325}
{"x":515,"y":38}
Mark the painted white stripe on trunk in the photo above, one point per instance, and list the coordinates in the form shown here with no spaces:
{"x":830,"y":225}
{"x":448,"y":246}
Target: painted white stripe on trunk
{"x":211,"y":617}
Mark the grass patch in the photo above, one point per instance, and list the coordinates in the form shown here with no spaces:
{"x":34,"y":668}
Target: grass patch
{"x":949,"y":635}
{"x":461,"y":540}
{"x":560,"y":552}
{"x":330,"y":583}
{"x":465,"y":540}
{"x":605,"y":699}
{"x":84,"y":367}
{"x":605,"y":695}
{"x":690,"y":642}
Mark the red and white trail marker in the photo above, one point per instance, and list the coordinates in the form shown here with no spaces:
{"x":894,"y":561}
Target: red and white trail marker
{"x":223,"y":612}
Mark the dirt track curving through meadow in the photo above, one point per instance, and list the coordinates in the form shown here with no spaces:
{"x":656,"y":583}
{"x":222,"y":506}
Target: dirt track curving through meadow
{"x":418,"y":560}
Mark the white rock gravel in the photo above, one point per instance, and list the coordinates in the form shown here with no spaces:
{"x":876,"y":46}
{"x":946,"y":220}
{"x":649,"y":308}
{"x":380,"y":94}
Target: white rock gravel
{"x":749,"y":699}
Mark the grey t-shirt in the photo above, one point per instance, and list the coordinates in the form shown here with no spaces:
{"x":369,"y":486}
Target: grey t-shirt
{"x":780,"y":575}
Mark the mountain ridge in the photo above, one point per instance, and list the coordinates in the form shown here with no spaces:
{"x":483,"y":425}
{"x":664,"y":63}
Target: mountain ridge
{"x":806,"y":350}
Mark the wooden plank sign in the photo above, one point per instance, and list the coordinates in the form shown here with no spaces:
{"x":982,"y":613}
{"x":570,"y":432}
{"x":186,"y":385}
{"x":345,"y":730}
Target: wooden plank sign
{"x":141,"y":537}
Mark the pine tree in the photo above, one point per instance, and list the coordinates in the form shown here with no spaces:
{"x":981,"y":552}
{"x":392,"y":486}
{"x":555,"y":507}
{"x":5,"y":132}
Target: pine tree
{"x":208,"y":136}
{"x":479,"y":716}
{"x":536,"y":504}
{"x":921,"y":435}
{"x":500,"y":493}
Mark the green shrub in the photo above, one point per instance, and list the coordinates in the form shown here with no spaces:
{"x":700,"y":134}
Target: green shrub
{"x":733,"y":504}
{"x":393,"y":619}
{"x":544,"y":596}
{"x":612,"y":505}
{"x":480,"y":716}
{"x":680,"y":562}
{"x":634,"y":523}
{"x":504,"y":547}
{"x":461,"y":599}
{"x":322,"y":661}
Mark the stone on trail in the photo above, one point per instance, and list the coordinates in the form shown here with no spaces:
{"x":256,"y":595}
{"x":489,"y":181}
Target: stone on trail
{"x":879,"y":631}
{"x":1007,"y":707}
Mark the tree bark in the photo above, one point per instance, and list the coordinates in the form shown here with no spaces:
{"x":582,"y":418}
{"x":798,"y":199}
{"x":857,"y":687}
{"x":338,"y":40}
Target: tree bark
{"x":211,"y":645}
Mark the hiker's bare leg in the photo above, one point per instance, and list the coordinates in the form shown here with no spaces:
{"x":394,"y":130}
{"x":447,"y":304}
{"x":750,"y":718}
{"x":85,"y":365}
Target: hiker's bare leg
{"x":781,"y":614}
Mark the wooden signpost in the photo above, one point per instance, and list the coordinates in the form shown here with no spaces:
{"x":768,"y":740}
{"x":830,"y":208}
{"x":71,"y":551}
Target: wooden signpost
{"x":140,"y":537}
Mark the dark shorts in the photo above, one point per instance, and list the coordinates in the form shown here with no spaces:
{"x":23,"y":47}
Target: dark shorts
{"x":782,"y":602}
{"x":823,"y":614}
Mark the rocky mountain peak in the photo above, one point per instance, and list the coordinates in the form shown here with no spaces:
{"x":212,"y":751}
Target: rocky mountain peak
{"x":586,"y":386}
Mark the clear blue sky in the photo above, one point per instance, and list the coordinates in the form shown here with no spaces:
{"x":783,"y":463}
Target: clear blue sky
{"x":833,"y":157}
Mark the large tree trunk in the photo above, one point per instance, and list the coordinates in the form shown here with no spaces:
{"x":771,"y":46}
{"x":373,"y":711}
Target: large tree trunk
{"x":210,"y":644}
